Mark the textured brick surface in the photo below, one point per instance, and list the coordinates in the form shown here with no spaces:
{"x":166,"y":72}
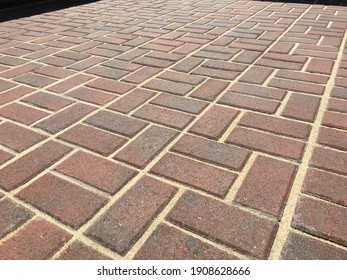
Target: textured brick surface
{"x":267,"y":185}
{"x":95,"y":171}
{"x":196,"y":174}
{"x":39,"y":240}
{"x":31,"y":164}
{"x":242,"y":103}
{"x":141,"y":151}
{"x":167,"y":243}
{"x":121,"y":226}
{"x":63,"y":200}
{"x":322,"y":219}
{"x":229,"y":225}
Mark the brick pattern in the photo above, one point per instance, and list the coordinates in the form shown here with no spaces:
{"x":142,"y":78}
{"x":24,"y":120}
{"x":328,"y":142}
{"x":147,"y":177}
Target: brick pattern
{"x":174,"y":130}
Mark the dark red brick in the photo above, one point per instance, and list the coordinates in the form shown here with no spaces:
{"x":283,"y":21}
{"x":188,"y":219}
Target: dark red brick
{"x":276,"y":125}
{"x":86,"y":63}
{"x":141,"y":75}
{"x":28,"y":166}
{"x":47,"y":101}
{"x":116,"y":123}
{"x":110,"y":85}
{"x":303,"y":247}
{"x":282,"y":47}
{"x":122,"y":65}
{"x":216,"y":73}
{"x":338,"y":105}
{"x":35,"y":80}
{"x":326,"y":185}
{"x":297,"y":86}
{"x":107,"y":72}
{"x":267,"y":185}
{"x":301,"y":107}
{"x":331,"y":160}
{"x":179,"y":103}
{"x":13,"y":94}
{"x":168,"y":243}
{"x":154,"y":62}
{"x":21,"y":113}
{"x":132,"y":54}
{"x":57,"y":61}
{"x":181,"y":78}
{"x":12,"y":216}
{"x":93,"y":139}
{"x":213,"y":152}
{"x":333,"y":138}
{"x":4,"y":85}
{"x":12,"y":61}
{"x":321,"y":219}
{"x":214,"y":122}
{"x":18,"y":138}
{"x":247,"y":56}
{"x":54,"y":72}
{"x":301,"y":76}
{"x":39,"y":240}
{"x":188,"y":64}
{"x":215,"y":220}
{"x":5,"y":156}
{"x":164,"y":116}
{"x":267,"y":143}
{"x":195,"y":174}
{"x":68,"y":203}
{"x":69,"y":83}
{"x":124,"y":223}
{"x":249,"y":102}
{"x":321,"y":66}
{"x":93,"y":96}
{"x":209,"y":90}
{"x":168,"y":86}
{"x":256,"y":75}
{"x":65,"y":118}
{"x":259,"y":91}
{"x":79,"y":251}
{"x":335,"y":119}
{"x":131,"y":101}
{"x":146,"y":146}
{"x":103,"y":174}
{"x":278,"y":64}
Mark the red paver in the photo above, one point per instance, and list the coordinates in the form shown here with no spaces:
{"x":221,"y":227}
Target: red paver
{"x":229,"y":225}
{"x":125,"y":222}
{"x":167,"y":243}
{"x":196,"y":174}
{"x":150,"y":143}
{"x":64,"y":201}
{"x":17,"y":137}
{"x":28,"y":166}
{"x":39,"y":240}
{"x":12,"y":216}
{"x":241,"y":106}
{"x":322,"y":219}
{"x":267,"y":185}
{"x":97,"y":172}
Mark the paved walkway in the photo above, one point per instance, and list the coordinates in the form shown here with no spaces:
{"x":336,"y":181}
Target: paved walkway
{"x":174,"y":130}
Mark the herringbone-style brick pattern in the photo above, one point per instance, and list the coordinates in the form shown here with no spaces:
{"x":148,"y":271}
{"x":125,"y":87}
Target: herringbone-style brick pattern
{"x":174,"y":130}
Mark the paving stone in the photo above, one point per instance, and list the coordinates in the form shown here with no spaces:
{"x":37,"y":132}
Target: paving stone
{"x":116,"y":123}
{"x":301,"y":247}
{"x":91,"y":95}
{"x":63,"y":200}
{"x":229,"y":225}
{"x":321,"y":219}
{"x":330,"y":160}
{"x":12,"y":216}
{"x":124,"y":223}
{"x":5,"y":156}
{"x":28,"y":166}
{"x":47,"y":101}
{"x":267,"y":185}
{"x":146,"y":146}
{"x":195,"y":174}
{"x":22,"y":113}
{"x":214,"y":122}
{"x":38,"y":240}
{"x":98,"y":172}
{"x":17,"y":137}
{"x":79,"y":251}
{"x":168,"y":243}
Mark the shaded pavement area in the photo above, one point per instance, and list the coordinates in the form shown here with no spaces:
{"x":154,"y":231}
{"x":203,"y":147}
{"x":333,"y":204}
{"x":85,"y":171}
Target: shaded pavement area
{"x":174,"y":130}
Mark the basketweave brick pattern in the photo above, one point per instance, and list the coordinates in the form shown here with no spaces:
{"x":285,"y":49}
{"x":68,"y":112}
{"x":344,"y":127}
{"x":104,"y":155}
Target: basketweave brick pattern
{"x":177,"y":130}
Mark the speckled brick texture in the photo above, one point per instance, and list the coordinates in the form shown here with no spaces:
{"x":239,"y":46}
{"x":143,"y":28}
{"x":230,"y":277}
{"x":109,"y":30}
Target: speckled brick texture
{"x":174,"y":130}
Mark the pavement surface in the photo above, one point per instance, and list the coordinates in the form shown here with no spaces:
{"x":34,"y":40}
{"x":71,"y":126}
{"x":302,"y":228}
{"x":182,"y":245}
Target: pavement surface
{"x":174,"y":130}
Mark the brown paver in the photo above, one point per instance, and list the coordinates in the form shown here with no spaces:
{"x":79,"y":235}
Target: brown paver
{"x":175,"y":130}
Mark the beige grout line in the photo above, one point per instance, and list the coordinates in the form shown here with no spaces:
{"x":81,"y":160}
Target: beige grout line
{"x":289,"y":210}
{"x":283,"y":104}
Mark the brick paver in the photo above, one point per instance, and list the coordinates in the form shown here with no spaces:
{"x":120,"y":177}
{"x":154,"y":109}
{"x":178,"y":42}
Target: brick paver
{"x":174,"y":130}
